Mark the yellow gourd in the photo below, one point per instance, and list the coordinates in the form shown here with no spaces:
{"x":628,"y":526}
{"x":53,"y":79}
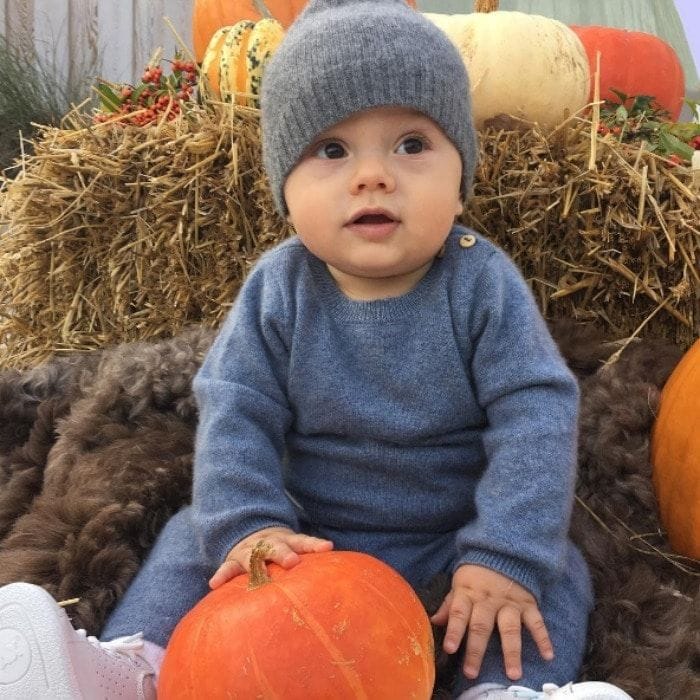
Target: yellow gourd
{"x":235,"y":60}
{"x":264,"y":40}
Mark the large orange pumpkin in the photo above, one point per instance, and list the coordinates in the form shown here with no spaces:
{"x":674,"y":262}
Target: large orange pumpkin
{"x":210,"y":15}
{"x":635,"y":63}
{"x":675,"y":455}
{"x":339,"y":625}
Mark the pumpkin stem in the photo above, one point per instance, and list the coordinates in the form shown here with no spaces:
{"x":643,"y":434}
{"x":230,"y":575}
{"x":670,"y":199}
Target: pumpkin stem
{"x":485,"y":5}
{"x":258,"y":573}
{"x":261,"y":7}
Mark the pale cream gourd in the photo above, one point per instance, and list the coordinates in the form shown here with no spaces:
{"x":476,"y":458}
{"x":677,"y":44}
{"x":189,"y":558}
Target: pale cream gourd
{"x":531,"y":67}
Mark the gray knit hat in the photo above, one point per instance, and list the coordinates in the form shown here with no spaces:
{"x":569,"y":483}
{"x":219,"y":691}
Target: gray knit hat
{"x":344,"y":56}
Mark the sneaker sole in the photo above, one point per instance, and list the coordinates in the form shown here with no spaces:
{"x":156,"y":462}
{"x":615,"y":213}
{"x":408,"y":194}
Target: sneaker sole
{"x":34,"y":659}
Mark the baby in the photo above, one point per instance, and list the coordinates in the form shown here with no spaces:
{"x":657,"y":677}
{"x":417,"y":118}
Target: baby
{"x":384,"y":383}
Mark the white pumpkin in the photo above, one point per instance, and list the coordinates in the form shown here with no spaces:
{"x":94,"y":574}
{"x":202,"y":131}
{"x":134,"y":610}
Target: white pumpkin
{"x":531,"y":67}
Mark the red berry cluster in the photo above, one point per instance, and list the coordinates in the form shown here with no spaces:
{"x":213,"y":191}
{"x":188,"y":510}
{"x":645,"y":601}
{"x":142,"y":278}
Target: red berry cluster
{"x":156,"y":95}
{"x":604,"y":130}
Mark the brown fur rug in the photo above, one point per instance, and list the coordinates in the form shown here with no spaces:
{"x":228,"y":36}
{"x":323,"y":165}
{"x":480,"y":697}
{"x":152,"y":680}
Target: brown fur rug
{"x":96,"y":454}
{"x":100,"y":457}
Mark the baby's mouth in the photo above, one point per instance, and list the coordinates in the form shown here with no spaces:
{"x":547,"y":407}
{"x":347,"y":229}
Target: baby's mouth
{"x":373,"y":225}
{"x":373,"y":219}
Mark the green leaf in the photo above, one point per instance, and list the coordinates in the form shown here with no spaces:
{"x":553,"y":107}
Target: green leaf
{"x":137,"y":92}
{"x":672,"y":144}
{"x":694,"y":106}
{"x":642,"y":103}
{"x":621,"y":114}
{"x":109,"y":100}
{"x":621,"y":95}
{"x":685,"y":131}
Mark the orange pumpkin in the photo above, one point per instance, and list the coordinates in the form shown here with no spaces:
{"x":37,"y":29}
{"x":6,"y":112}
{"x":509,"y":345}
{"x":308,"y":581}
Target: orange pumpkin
{"x":635,"y":63}
{"x":675,"y":455}
{"x":339,"y":625}
{"x":210,"y":15}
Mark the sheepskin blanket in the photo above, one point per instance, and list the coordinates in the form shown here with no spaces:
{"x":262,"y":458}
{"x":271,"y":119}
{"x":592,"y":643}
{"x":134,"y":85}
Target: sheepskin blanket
{"x":96,"y":454}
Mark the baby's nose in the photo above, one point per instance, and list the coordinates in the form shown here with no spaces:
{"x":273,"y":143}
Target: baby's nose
{"x":372,"y":174}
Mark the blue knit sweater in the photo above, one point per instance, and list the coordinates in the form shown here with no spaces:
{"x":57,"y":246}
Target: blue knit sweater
{"x":430,"y":429}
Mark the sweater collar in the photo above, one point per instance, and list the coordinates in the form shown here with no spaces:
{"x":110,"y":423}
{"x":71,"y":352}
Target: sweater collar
{"x":377,"y":310}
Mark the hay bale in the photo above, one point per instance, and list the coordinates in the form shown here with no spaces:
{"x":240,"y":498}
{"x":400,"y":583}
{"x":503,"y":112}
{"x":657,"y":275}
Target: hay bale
{"x":604,"y":231}
{"x":121,"y":233}
{"x":117,"y":234}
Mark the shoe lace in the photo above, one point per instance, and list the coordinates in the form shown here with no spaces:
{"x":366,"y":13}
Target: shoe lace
{"x":128,"y":646}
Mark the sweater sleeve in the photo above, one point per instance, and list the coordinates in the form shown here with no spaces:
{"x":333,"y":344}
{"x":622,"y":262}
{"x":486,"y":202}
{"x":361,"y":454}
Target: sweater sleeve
{"x":525,"y":496}
{"x":244,"y":416}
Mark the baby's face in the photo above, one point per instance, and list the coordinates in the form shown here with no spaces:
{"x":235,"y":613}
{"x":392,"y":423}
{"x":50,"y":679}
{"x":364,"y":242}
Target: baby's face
{"x":375,"y":197}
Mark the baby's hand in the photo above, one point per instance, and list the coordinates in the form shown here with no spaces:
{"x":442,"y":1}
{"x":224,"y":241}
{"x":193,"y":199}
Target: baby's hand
{"x":481,"y":599}
{"x":285,"y":548}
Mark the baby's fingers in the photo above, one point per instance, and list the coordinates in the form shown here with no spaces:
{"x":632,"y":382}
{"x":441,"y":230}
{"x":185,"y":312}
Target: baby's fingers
{"x":280,"y":551}
{"x":480,"y":630}
{"x":459,"y":614}
{"x":282,"y":547}
{"x":442,"y":614}
{"x":305,"y":544}
{"x":535,"y":625}
{"x":285,"y":551}
{"x":510,"y":629}
{"x":228,"y":570}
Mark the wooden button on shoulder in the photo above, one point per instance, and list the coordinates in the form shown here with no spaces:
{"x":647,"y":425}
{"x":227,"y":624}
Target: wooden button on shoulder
{"x":467,"y":241}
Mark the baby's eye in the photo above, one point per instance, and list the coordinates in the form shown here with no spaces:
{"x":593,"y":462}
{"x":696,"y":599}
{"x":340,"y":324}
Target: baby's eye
{"x":330,"y":149}
{"x":412,"y":145}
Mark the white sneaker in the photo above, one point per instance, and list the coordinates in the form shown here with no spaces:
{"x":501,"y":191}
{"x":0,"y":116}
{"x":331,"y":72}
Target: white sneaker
{"x":43,"y":658}
{"x":588,"y":690}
